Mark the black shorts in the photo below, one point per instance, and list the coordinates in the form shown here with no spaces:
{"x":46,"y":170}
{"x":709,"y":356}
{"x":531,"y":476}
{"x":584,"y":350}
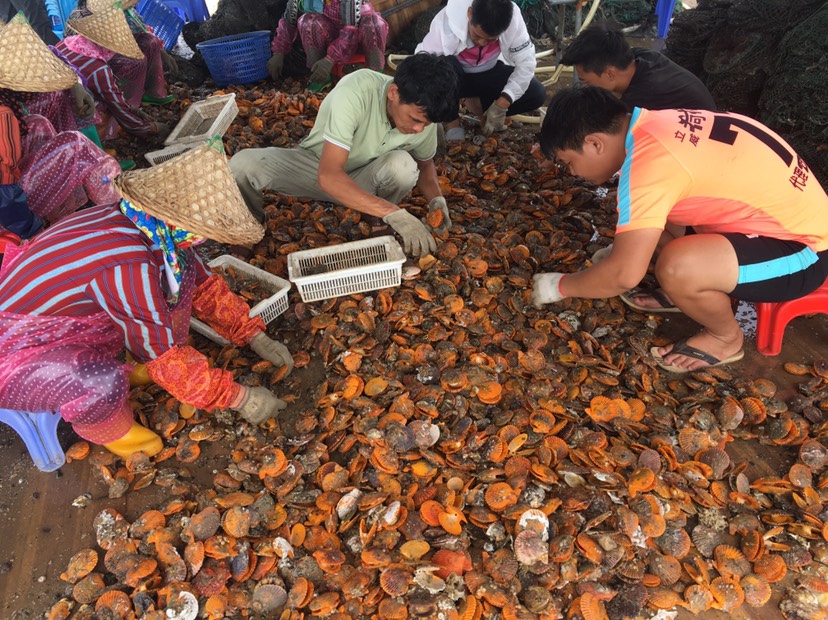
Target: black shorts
{"x":772,"y":270}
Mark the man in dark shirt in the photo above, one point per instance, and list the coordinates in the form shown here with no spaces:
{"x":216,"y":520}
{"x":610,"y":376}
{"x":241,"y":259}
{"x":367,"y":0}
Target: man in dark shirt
{"x":640,"y":77}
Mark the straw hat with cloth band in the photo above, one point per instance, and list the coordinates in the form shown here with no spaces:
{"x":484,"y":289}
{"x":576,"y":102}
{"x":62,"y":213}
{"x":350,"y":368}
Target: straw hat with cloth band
{"x":27,"y":64}
{"x":108,"y":28}
{"x":195,"y":191}
{"x":96,"y":6}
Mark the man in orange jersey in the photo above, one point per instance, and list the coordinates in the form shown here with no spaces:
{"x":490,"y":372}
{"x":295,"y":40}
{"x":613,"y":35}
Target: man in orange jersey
{"x":757,"y":214}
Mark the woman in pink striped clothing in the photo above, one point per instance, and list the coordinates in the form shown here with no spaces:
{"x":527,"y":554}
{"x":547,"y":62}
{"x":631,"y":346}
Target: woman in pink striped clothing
{"x":125,"y":274}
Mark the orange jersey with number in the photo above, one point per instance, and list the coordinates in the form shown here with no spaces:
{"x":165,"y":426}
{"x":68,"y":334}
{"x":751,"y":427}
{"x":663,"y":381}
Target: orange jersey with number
{"x":718,"y":173}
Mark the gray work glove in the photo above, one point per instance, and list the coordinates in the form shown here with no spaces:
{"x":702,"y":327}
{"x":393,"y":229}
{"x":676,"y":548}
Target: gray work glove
{"x":275,"y":66}
{"x":547,"y":289}
{"x":494,"y":119}
{"x":601,"y":254}
{"x":417,"y":241}
{"x":439,"y":204}
{"x":162,"y":130}
{"x":259,"y":405}
{"x":168,"y":62}
{"x":83,"y":103}
{"x":272,"y":351}
{"x":321,"y":71}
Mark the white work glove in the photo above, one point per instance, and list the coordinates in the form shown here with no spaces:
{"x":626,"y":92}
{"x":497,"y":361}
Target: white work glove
{"x":494,"y":119}
{"x":259,"y":405}
{"x":83,"y":103}
{"x":601,"y":254}
{"x":417,"y":241}
{"x":547,"y":289}
{"x":275,"y":66}
{"x":272,"y":351}
{"x":439,"y":204}
{"x":321,"y":71}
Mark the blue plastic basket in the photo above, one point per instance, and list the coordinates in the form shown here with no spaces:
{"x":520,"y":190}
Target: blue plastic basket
{"x":237,"y":59}
{"x":165,"y":23}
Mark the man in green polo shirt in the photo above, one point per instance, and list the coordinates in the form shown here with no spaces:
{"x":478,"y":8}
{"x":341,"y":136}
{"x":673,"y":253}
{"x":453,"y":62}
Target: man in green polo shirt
{"x":374,"y":139}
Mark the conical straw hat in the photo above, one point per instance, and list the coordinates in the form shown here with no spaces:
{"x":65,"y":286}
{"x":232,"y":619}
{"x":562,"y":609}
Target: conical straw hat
{"x":97,"y":6}
{"x":27,"y":64}
{"x":194,"y":191}
{"x":108,"y":28}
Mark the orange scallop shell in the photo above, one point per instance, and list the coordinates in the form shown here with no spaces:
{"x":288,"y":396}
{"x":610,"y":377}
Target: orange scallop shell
{"x":80,"y":565}
{"x":395,"y":580}
{"x":757,"y":590}
{"x":499,"y":496}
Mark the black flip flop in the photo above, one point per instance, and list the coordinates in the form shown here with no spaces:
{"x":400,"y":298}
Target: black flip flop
{"x":656,"y":293}
{"x":682,"y":348}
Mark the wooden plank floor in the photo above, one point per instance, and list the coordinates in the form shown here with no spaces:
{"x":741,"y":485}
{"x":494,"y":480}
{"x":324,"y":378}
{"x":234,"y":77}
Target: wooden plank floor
{"x":41,"y":529}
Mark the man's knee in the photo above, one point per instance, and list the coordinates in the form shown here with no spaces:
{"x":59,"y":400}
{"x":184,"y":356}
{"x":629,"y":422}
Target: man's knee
{"x":242,"y":163}
{"x":398,"y":171}
{"x":535,"y":95}
{"x":673,"y":266}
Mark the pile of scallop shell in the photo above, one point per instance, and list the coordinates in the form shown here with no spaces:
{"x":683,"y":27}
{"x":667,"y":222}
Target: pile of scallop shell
{"x":451,"y":452}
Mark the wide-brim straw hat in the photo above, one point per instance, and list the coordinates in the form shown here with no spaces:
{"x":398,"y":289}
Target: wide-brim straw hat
{"x":27,"y":64}
{"x":96,"y":6}
{"x":195,"y":191}
{"x":109,"y":29}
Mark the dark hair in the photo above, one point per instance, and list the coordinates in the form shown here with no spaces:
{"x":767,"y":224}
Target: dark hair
{"x":599,"y":46}
{"x":430,"y":82}
{"x":575,"y":113}
{"x":493,"y":16}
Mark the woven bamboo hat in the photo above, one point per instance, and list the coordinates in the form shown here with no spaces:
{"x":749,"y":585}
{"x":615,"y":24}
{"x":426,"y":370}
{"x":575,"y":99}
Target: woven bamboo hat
{"x":108,"y":28}
{"x":194,"y":191}
{"x":27,"y":64}
{"x":96,"y":6}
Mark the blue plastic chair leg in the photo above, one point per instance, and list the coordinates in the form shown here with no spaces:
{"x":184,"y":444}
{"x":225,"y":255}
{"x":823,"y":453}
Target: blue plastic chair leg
{"x":39,"y":432}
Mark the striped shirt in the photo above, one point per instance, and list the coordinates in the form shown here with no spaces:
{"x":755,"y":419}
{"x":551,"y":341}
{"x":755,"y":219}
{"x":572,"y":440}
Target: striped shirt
{"x":104,"y":86}
{"x":97,"y":260}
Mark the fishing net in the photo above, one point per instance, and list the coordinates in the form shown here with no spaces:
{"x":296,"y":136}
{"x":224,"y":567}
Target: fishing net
{"x":628,"y":12}
{"x":691,"y":31}
{"x":770,"y":15}
{"x":794,"y":101}
{"x":737,"y":64}
{"x":406,"y":41}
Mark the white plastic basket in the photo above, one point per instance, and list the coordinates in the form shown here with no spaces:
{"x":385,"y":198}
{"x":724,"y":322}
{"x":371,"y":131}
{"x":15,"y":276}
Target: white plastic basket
{"x":268,"y":308}
{"x":205,"y":119}
{"x":347,"y":268}
{"x":165,"y":154}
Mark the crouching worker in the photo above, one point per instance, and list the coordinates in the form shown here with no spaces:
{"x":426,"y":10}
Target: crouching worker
{"x":121,"y":69}
{"x":759,"y":217}
{"x":373,"y":140}
{"x":475,"y":34}
{"x":126,"y":274}
{"x":44,"y":175}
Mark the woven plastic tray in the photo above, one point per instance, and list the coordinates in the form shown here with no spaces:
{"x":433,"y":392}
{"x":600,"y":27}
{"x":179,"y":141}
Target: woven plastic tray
{"x":268,"y":308}
{"x":204,"y":119}
{"x":167,"y":153}
{"x":347,"y":268}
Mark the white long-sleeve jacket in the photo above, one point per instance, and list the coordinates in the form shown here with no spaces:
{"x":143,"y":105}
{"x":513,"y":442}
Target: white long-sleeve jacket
{"x":449,"y":35}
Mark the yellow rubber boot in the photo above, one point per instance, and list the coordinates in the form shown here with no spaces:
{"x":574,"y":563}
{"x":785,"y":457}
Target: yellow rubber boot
{"x":139,"y":375}
{"x":138,"y":439}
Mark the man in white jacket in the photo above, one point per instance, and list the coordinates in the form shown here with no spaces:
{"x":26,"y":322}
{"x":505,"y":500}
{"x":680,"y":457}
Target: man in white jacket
{"x":476,"y":34}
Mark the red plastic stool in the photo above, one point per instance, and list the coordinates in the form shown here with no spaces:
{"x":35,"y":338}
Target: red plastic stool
{"x":356,"y":59}
{"x":771,"y":318}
